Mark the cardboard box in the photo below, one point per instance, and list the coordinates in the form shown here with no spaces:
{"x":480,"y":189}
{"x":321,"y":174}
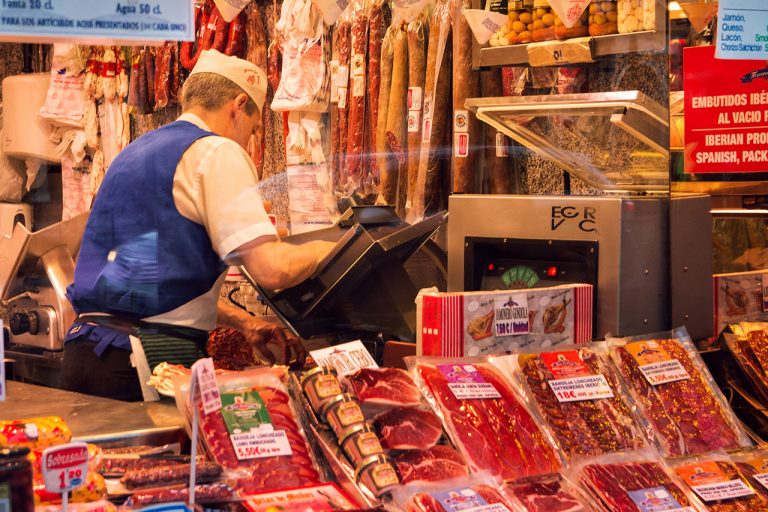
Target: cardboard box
{"x":493,"y":322}
{"x":740,"y":297}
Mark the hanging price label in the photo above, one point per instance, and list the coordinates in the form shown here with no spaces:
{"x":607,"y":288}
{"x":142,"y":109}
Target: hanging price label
{"x":65,"y":467}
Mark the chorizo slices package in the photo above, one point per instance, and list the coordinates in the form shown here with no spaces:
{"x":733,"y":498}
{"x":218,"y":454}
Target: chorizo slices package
{"x":749,"y":345}
{"x":676,"y":393}
{"x":485,"y":417}
{"x":480,"y":491}
{"x":256,"y":432}
{"x":722,"y":483}
{"x":580,"y":396}
{"x":635,"y":481}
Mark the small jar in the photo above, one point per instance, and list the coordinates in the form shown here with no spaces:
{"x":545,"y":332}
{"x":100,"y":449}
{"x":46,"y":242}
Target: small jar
{"x":16,"y":479}
{"x":360,"y":442}
{"x":519,"y":15}
{"x":603,"y":18}
{"x":579,"y":29}
{"x":378,"y":474}
{"x":636,"y":15}
{"x":320,"y":385}
{"x":342,"y":412}
{"x":542,"y":24}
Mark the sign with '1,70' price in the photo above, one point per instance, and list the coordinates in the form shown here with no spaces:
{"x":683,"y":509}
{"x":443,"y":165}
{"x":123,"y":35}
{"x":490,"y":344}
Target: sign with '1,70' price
{"x":97,"y":21}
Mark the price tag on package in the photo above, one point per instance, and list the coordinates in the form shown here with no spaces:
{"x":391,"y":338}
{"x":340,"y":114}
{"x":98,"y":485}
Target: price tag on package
{"x":65,"y":467}
{"x":655,"y":363}
{"x":203,"y":384}
{"x":577,"y":389}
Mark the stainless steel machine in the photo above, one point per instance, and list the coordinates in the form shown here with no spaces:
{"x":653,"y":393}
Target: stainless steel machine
{"x":648,"y":253}
{"x":35,"y":270}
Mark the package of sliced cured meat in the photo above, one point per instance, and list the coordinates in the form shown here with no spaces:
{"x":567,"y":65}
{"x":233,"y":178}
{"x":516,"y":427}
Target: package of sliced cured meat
{"x":638,"y":481}
{"x":548,"y":493}
{"x":379,"y":389}
{"x":677,"y":394}
{"x":748,"y":342}
{"x":578,"y":392}
{"x":753,"y":465}
{"x":485,"y":417}
{"x":256,"y":433}
{"x":479,"y":492}
{"x":721,"y":483}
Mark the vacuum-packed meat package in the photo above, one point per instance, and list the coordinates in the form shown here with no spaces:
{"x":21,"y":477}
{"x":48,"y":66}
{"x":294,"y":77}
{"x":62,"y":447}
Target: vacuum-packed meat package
{"x":753,"y":465}
{"x":722,"y":484}
{"x":633,"y":482}
{"x":485,"y":417}
{"x":431,"y":465}
{"x":255,"y":433}
{"x":550,"y":493}
{"x":383,"y":387}
{"x":749,"y":345}
{"x":476,"y":492}
{"x":580,"y":396}
{"x":677,"y":394}
{"x":408,"y":428}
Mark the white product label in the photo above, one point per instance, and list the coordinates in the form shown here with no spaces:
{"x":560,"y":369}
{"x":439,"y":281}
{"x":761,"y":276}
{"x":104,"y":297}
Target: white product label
{"x":466,"y":383}
{"x":461,"y":121}
{"x":358,"y":86}
{"x":723,"y":490}
{"x":346,"y":358}
{"x":358,"y":64}
{"x":203,"y":384}
{"x":569,"y":11}
{"x":484,"y":24}
{"x":511,"y":316}
{"x":502,"y":148}
{"x":261,"y":443}
{"x":414,"y":120}
{"x":65,"y":467}
{"x":414,"y":98}
{"x":664,"y":372}
{"x":762,"y":478}
{"x":342,"y":92}
{"x":577,"y":389}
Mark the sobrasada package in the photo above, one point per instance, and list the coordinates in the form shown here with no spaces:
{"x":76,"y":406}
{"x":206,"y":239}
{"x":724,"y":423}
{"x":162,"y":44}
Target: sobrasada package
{"x":492,"y":322}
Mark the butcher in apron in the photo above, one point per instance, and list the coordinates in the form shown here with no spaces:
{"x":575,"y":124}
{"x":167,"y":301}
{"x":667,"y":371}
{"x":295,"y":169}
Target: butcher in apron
{"x":177,"y":207}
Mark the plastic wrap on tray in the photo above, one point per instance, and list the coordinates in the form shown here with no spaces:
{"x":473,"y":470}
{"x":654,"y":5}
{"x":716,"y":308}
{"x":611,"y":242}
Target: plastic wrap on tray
{"x":749,"y":346}
{"x":676,"y":393}
{"x":159,"y":476}
{"x":549,"y":493}
{"x":753,"y":465}
{"x":485,"y":417}
{"x":633,"y":482}
{"x":475,"y":492}
{"x":207,"y":493}
{"x":721,"y":483}
{"x":383,"y":388}
{"x":256,"y":432}
{"x":580,"y":396}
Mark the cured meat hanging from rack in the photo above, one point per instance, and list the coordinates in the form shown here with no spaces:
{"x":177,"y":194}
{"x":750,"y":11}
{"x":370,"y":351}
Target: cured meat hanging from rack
{"x":344,"y":35}
{"x":356,"y":158}
{"x":378,"y":22}
{"x":384,"y":160}
{"x":418,"y":33}
{"x":497,"y":160}
{"x":396,"y":129}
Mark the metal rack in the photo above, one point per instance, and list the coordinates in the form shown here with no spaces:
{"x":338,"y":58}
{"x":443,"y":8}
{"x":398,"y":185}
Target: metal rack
{"x":590,"y":48}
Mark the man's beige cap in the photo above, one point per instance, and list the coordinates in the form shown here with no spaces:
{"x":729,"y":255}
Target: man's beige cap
{"x":247,"y":75}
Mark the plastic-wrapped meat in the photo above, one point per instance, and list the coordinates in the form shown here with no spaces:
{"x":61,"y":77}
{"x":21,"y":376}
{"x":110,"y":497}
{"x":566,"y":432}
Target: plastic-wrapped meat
{"x":621,"y":485}
{"x":383,"y":386}
{"x":687,"y":416}
{"x":203,"y":494}
{"x":424,"y":502}
{"x":431,"y":465}
{"x":270,"y":472}
{"x":751,"y":352}
{"x":587,"y":427}
{"x":113,"y":467}
{"x":745,"y":497}
{"x":408,"y":428}
{"x":494,"y":434}
{"x":168,"y":475}
{"x":546,"y":494}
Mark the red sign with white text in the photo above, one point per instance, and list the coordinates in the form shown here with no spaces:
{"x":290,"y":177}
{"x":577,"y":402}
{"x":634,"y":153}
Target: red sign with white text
{"x":65,"y":467}
{"x":726,"y":113}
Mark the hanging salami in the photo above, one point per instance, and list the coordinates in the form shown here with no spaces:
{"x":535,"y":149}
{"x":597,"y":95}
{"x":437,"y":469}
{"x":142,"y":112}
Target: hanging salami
{"x":417,"y":70}
{"x":355,"y":160}
{"x":378,"y":23}
{"x":344,"y":34}
{"x":384,"y":161}
{"x":396,"y":119}
{"x":497,"y":160}
{"x":162,"y":84}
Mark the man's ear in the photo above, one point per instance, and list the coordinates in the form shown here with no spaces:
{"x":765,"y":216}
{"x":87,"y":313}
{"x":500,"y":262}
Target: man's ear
{"x":240,"y":101}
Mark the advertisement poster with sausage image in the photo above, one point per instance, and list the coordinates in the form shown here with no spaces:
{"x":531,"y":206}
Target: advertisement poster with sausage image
{"x":726,"y":114}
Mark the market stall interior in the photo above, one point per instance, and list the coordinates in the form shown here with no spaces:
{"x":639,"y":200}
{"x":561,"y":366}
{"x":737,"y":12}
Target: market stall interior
{"x":548,"y":289}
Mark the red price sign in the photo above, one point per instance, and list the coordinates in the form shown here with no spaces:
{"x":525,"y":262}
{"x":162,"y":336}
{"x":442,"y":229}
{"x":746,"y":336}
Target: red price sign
{"x":65,"y":467}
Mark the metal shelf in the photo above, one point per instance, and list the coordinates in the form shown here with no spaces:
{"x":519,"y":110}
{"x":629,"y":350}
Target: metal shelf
{"x":601,"y":46}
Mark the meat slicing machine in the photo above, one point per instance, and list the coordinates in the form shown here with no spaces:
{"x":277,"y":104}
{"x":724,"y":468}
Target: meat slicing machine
{"x":35,"y":270}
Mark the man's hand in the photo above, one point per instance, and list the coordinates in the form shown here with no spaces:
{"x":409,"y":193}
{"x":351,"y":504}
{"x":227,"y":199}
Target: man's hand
{"x":262,"y":335}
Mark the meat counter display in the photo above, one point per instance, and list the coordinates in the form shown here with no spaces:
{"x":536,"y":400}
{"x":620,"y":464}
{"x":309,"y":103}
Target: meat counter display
{"x":538,"y":431}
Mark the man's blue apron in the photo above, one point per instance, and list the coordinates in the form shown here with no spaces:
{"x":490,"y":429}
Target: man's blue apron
{"x":139,"y":256}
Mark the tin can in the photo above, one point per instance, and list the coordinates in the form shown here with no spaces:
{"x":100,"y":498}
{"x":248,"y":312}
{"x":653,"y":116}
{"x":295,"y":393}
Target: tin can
{"x":342,"y":412}
{"x":320,"y":385}
{"x":377,"y":473}
{"x":16,"y":480}
{"x":360,"y":442}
